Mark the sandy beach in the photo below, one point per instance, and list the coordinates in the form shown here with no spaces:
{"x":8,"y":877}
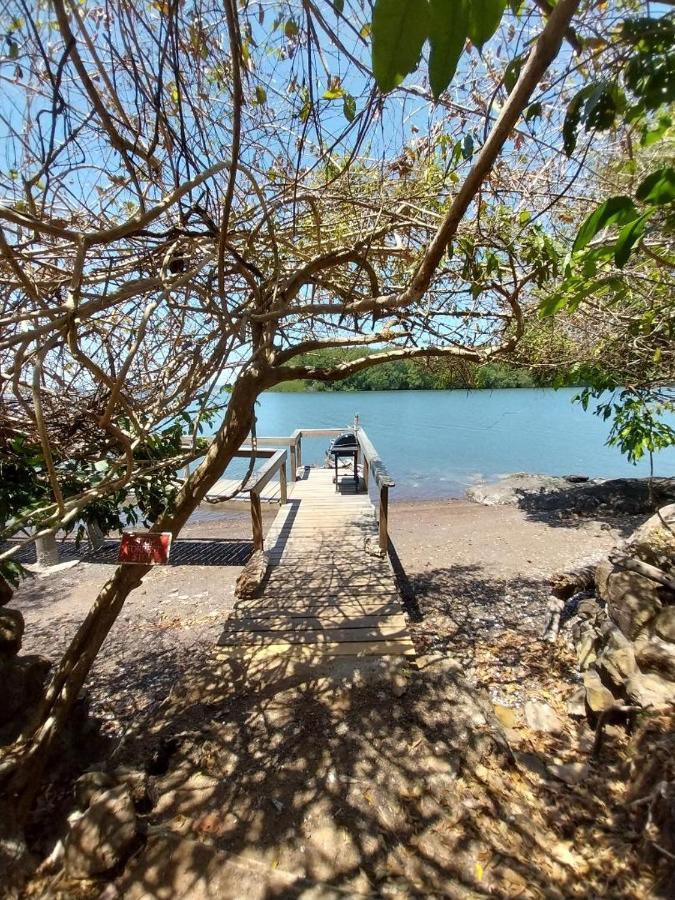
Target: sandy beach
{"x":472,"y":577}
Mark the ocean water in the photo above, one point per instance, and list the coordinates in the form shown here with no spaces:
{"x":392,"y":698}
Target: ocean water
{"x":437,"y":443}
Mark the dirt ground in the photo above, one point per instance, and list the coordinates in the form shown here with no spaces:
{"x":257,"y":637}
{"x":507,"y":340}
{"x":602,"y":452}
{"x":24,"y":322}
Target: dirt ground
{"x":415,"y":779}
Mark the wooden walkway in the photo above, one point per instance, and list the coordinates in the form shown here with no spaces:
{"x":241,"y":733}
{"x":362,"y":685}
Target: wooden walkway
{"x":329,"y":590}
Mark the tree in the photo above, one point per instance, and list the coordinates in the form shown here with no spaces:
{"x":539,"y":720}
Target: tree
{"x":185,"y":204}
{"x":617,"y":277}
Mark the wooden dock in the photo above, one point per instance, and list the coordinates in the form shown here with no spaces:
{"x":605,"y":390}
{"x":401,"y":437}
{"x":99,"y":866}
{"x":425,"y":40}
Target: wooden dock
{"x":330,"y":589}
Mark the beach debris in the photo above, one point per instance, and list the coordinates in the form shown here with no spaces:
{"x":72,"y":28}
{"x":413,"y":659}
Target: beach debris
{"x":252,"y":575}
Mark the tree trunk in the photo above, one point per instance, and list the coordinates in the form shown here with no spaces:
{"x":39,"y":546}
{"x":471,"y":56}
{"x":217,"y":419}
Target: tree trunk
{"x":77,"y":661}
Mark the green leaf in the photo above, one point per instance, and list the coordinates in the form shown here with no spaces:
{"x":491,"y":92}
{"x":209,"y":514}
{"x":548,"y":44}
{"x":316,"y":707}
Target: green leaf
{"x":349,"y":108}
{"x":628,"y":237}
{"x":484,"y":18}
{"x":335,"y":93}
{"x":615,"y":211}
{"x":400,"y":28}
{"x":339,"y":6}
{"x":512,"y":72}
{"x":573,"y":118}
{"x":467,"y":147}
{"x":652,"y":135}
{"x":260,"y":95}
{"x":448,"y":30}
{"x":657,"y":188}
{"x":534,"y":111}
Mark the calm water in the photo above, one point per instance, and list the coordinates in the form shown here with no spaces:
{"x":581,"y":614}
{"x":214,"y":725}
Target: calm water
{"x":436,"y":443}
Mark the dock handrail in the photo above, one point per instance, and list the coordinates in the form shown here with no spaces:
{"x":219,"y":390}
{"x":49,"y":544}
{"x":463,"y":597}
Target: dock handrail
{"x":276,"y":463}
{"x":372,"y":464}
{"x":278,"y":449}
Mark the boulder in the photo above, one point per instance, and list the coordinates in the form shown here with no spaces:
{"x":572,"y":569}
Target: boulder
{"x":576,"y":703}
{"x":22,"y":680}
{"x":616,"y":662}
{"x":664,"y":624}
{"x":542,"y":717}
{"x":598,"y":697}
{"x":650,"y":690}
{"x":11,"y":631}
{"x":633,"y":602}
{"x":654,"y":541}
{"x":90,"y":785}
{"x":103,"y":836}
{"x":6,"y":591}
{"x":615,"y":665}
{"x":657,"y":656}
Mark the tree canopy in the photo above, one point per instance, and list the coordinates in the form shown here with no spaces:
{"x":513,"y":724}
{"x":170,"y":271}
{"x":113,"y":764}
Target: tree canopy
{"x":198,"y":193}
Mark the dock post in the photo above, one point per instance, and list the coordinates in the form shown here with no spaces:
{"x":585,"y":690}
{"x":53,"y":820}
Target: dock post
{"x":384,"y":516}
{"x":283,"y":483}
{"x":294,"y":463}
{"x":256,"y":521}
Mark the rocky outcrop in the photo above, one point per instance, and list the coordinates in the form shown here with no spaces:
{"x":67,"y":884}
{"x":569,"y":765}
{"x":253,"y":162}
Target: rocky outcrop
{"x":11,"y":631}
{"x":22,"y":678}
{"x":551,"y":494}
{"x":624,"y":635}
{"x":103,"y":836}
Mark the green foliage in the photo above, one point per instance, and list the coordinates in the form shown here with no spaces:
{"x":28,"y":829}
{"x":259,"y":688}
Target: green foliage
{"x":644,"y":82}
{"x":412,"y":375}
{"x":615,"y":211}
{"x":400,"y":28}
{"x":502,"y":375}
{"x":637,"y":427}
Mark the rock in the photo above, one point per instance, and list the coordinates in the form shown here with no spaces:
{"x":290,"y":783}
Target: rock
{"x":664,"y":624}
{"x":657,"y":656}
{"x":506,"y":715}
{"x":542,"y":717}
{"x":586,"y":640}
{"x":22,"y":680}
{"x":11,"y":631}
{"x":90,"y":785}
{"x":616,"y":664}
{"x":654,"y":541}
{"x":6,"y":591}
{"x":399,"y":684}
{"x":252,"y":575}
{"x":171,"y":867}
{"x":650,"y":691}
{"x":576,"y":703}
{"x":598,"y":697}
{"x":103,"y":836}
{"x":633,"y":602}
{"x":570,"y":773}
{"x":576,"y":479}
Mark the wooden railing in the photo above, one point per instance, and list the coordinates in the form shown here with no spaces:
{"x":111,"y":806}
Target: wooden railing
{"x":373,"y":466}
{"x":279,"y":450}
{"x":276,"y":463}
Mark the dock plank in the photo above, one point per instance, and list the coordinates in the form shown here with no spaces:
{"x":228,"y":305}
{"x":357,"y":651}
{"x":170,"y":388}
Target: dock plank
{"x":325,"y":594}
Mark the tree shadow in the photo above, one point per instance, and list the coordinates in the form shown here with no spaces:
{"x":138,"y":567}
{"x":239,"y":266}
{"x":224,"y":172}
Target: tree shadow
{"x":298,"y":775}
